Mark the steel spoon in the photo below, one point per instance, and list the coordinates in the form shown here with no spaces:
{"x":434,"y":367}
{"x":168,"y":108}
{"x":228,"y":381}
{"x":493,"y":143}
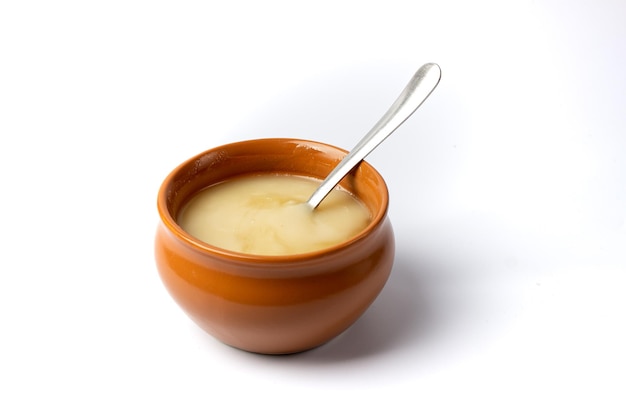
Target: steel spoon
{"x":417,"y":90}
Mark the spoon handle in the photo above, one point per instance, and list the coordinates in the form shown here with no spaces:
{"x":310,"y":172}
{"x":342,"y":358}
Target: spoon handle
{"x":417,"y":90}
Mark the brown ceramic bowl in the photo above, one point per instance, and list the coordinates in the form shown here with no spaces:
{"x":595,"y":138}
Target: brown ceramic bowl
{"x":273,"y":304}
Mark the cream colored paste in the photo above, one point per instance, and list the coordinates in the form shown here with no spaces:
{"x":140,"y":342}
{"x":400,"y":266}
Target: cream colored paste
{"x":267,"y":215}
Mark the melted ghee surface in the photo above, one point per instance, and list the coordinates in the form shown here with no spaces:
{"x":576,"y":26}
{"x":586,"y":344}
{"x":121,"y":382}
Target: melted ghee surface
{"x":267,"y":215}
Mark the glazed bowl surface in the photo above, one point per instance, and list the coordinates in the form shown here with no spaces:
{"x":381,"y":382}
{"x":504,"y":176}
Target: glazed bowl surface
{"x":273,"y":304}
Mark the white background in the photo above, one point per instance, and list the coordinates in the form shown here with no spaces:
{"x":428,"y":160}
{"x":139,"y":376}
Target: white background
{"x":508,"y":198}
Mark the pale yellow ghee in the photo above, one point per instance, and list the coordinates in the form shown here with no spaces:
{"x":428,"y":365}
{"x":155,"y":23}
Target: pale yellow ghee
{"x":267,"y":215}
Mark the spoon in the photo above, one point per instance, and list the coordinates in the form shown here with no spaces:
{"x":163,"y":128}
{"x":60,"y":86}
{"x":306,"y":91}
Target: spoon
{"x":417,"y":90}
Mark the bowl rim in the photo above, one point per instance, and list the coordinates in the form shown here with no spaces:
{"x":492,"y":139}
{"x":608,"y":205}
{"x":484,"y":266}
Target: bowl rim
{"x":199,"y":245}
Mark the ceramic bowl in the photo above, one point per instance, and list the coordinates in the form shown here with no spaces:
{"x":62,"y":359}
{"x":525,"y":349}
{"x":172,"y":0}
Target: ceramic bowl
{"x":273,"y":304}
